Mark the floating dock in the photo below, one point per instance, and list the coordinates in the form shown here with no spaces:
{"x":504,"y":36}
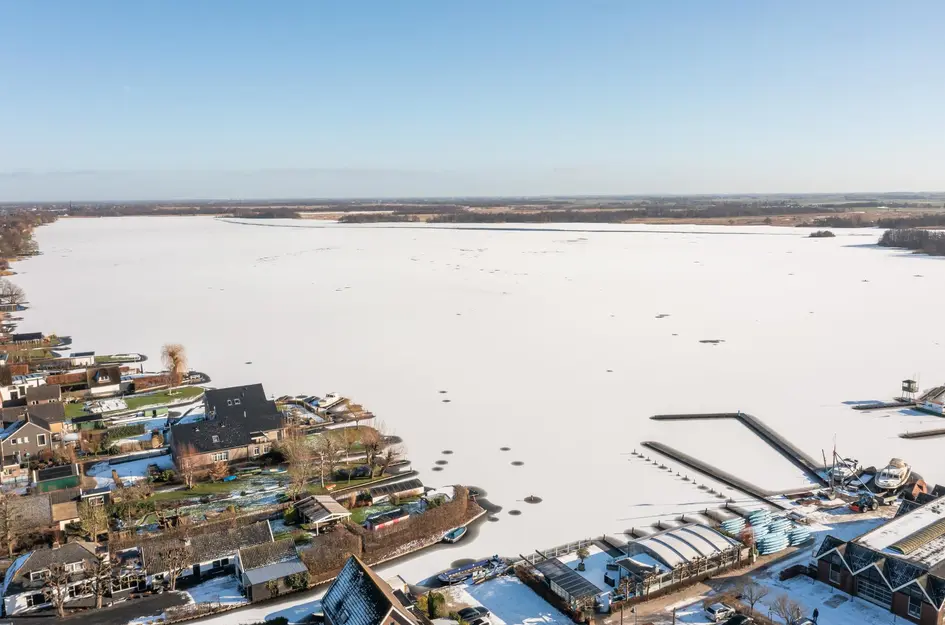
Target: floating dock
{"x":721,"y":476}
{"x":899,"y":403}
{"x":924,"y":434}
{"x":813,"y":469}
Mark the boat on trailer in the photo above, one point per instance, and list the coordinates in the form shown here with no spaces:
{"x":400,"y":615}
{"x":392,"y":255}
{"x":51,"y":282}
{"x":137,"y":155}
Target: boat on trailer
{"x":894,"y":475}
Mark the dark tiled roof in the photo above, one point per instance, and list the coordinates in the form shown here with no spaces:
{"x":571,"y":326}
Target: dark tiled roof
{"x":31,"y":418}
{"x":53,"y":412}
{"x":829,"y":543}
{"x":268,"y":553}
{"x":935,"y":586}
{"x":360,"y":595}
{"x":44,"y":392}
{"x":236,"y":401}
{"x":103,"y":376}
{"x":42,"y":559}
{"x":26,"y":336}
{"x":80,"y":354}
{"x":209,"y":546}
{"x":399,"y":487}
{"x":226,"y":433}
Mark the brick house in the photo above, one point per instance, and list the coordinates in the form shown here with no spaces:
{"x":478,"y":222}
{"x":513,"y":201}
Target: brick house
{"x":899,"y":566}
{"x":241,"y":425}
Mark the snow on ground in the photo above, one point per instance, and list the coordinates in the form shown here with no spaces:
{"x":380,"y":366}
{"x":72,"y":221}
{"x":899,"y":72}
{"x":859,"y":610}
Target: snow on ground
{"x":510,"y":601}
{"x":132,"y":471}
{"x":595,"y":567}
{"x":550,"y":340}
{"x":224,"y":590}
{"x":836,"y":608}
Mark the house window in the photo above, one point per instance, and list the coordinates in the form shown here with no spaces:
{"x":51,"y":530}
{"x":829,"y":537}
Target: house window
{"x":256,"y":450}
{"x":38,"y":576}
{"x":79,"y":590}
{"x":98,"y":500}
{"x":236,"y":402}
{"x":75,"y":567}
{"x":34,"y":600}
{"x":216,"y":439}
{"x":26,"y":439}
{"x":915,"y":607}
{"x":229,"y":402}
{"x":223,"y":455}
{"x":41,"y":440}
{"x":125,"y":582}
{"x":835,"y":571}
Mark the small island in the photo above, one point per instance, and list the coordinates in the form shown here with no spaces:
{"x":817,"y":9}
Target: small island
{"x":821,"y":234}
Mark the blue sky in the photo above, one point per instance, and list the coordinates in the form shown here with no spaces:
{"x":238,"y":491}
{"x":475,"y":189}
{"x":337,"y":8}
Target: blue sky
{"x":124,"y":100}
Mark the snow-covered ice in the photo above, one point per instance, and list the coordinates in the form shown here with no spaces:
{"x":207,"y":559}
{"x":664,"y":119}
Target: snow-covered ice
{"x":129,"y":472}
{"x":545,"y":339}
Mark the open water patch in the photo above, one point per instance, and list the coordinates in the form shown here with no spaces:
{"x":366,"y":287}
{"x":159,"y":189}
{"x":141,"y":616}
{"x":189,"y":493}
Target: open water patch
{"x":515,"y":512}
{"x":517,"y":463}
{"x":533,"y":499}
{"x":442,"y":462}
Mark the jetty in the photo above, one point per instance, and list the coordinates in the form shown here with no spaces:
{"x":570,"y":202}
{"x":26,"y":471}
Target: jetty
{"x":807,"y":464}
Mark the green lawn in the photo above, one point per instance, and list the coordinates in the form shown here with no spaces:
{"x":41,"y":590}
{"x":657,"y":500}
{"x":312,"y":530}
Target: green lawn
{"x":200,"y":490}
{"x":137,"y":402}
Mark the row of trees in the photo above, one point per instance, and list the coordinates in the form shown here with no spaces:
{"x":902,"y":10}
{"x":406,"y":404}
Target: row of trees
{"x":319,"y":457}
{"x":928,"y":241}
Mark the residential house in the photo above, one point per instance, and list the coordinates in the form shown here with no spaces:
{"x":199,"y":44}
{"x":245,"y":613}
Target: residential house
{"x":899,"y":566}
{"x":321,"y":511}
{"x":22,"y":441}
{"x":81,"y":359}
{"x":54,"y":414}
{"x":211,"y":551}
{"x":234,"y":401}
{"x":229,"y":439}
{"x":26,"y":338}
{"x":64,"y":505}
{"x":26,"y":578}
{"x":43,"y":394}
{"x":267,"y":570}
{"x":96,"y":496}
{"x":359,"y":596}
{"x":14,"y":394}
{"x":103,"y":381}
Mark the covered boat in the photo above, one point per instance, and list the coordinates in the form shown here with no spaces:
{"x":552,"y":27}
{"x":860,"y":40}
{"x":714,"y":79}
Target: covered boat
{"x":895,"y":475}
{"x":454,"y":535}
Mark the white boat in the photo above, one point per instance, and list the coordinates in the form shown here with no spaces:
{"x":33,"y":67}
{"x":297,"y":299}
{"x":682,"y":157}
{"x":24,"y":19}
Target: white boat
{"x":895,"y":474}
{"x":845,"y":469}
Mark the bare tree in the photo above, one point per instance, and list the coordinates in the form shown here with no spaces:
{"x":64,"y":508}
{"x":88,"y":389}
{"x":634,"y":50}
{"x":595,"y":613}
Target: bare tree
{"x":219,"y":470}
{"x":56,"y":587}
{"x":92,"y":519}
{"x":787,"y":609}
{"x":177,"y":557}
{"x":188,"y":463}
{"x":330,"y":453}
{"x":100,"y":573}
{"x":372,"y":443}
{"x":174,"y":358}
{"x":11,"y":293}
{"x":298,"y":452}
{"x":753,"y":593}
{"x":388,"y":457}
{"x":11,"y":525}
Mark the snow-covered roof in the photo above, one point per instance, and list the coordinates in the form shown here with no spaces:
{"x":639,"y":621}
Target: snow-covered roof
{"x":681,"y":544}
{"x":912,"y":535}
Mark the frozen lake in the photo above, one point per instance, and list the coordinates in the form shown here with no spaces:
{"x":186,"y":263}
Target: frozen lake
{"x":547,"y":341}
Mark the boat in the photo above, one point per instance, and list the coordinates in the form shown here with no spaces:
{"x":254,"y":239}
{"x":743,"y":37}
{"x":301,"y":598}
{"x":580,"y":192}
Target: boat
{"x":896,"y":474}
{"x":472,"y":570}
{"x":454,"y":535}
{"x":845,"y":469}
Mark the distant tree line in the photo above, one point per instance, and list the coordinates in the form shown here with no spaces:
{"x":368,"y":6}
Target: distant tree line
{"x":927,"y":241}
{"x":864,"y":221}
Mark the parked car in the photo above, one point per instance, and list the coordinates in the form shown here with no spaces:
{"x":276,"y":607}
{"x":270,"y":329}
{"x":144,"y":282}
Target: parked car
{"x":740,"y":619}
{"x":718,"y":612}
{"x":471,"y":615}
